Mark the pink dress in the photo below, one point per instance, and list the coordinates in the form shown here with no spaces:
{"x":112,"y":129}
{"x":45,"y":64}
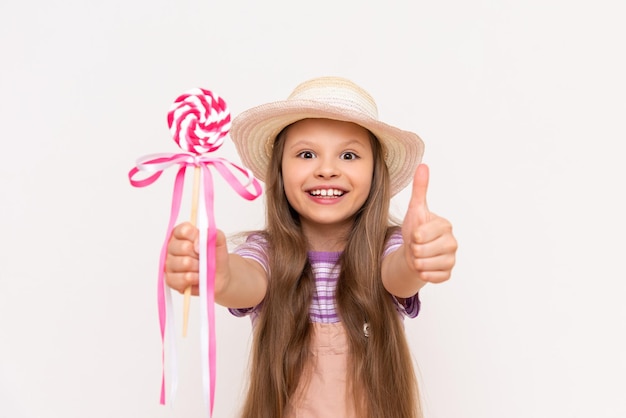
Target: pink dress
{"x":322,"y":391}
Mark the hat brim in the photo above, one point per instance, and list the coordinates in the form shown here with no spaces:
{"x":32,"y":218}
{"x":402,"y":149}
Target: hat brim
{"x":255,"y":130}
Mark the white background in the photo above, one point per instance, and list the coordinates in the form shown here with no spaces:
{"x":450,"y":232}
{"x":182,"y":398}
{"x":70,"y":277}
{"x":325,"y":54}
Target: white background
{"x":522,"y":108}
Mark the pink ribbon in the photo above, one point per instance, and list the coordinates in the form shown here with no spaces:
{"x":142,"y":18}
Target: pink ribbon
{"x":156,"y":164}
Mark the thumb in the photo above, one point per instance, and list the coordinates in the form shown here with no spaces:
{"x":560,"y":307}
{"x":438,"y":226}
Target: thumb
{"x":418,"y":195}
{"x":220,"y":239}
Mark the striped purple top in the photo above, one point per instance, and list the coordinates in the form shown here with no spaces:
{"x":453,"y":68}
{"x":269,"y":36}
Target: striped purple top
{"x":326,"y":268}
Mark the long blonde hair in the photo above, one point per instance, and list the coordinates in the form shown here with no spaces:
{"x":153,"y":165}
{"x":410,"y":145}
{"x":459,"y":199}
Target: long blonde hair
{"x":381,"y":363}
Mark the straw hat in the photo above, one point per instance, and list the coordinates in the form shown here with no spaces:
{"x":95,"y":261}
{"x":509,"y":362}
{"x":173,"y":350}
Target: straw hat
{"x":255,"y":130}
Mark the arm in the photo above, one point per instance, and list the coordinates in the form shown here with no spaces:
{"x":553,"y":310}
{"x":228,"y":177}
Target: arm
{"x":246,"y":285}
{"x":429,"y":248}
{"x":239,"y":282}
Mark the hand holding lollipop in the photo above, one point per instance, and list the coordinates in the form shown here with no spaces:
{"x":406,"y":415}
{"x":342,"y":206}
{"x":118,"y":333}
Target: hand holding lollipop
{"x":199,"y":121}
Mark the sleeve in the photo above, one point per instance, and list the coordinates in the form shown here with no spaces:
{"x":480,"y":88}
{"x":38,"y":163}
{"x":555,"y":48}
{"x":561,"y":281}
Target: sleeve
{"x":254,"y":248}
{"x":408,"y":307}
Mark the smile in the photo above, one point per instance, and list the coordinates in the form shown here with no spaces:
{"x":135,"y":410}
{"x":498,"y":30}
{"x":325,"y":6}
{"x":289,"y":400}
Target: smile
{"x":326,"y":193}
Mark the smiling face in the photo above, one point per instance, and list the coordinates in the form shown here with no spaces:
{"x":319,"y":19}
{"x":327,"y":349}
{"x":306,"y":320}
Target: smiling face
{"x":327,"y":169}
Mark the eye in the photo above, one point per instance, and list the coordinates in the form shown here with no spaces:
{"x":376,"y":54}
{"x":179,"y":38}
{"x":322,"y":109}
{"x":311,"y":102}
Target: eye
{"x":349,"y":155}
{"x":306,"y":154}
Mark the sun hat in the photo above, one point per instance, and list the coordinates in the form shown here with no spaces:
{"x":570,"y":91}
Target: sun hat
{"x":254,"y":130}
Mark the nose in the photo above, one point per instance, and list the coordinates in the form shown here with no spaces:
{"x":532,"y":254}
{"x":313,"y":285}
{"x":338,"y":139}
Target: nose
{"x":327,"y":168}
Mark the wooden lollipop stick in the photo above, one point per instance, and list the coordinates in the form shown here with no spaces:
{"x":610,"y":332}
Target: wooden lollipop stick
{"x":193,"y":220}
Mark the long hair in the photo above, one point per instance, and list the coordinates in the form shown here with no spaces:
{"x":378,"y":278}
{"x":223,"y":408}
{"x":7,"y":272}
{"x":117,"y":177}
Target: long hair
{"x":380,"y":369}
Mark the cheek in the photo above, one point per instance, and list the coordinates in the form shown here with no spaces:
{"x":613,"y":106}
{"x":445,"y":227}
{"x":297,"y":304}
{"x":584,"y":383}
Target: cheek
{"x":367,"y":184}
{"x":289,"y":197}
{"x":289,"y":189}
{"x":367,"y":187}
{"x":365,"y":176}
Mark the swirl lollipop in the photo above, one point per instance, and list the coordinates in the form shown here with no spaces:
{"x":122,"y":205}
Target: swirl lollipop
{"x":199,"y":121}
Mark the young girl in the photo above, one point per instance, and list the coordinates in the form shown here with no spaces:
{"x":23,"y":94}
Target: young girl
{"x":329,"y":280}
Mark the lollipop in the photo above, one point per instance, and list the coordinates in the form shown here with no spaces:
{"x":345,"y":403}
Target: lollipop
{"x":199,"y":121}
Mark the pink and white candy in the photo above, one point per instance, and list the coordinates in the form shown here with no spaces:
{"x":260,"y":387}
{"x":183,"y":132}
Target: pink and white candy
{"x":199,"y":120}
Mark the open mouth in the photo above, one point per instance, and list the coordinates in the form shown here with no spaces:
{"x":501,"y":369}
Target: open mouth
{"x":328,"y":193}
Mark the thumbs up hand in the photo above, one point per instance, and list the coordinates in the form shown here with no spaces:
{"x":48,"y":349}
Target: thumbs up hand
{"x":429,"y":245}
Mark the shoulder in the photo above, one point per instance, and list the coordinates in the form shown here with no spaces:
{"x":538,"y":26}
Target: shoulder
{"x":394,"y":241}
{"x":254,"y":247}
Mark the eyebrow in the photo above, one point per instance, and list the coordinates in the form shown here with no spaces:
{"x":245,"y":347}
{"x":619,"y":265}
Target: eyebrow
{"x":343,"y":144}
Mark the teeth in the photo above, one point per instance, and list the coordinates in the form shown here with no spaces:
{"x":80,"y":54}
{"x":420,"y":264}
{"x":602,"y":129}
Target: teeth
{"x":326,"y":192}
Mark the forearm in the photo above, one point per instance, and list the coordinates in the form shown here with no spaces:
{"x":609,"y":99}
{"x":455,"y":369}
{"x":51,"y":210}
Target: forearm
{"x":245,"y":286}
{"x":399,"y":278}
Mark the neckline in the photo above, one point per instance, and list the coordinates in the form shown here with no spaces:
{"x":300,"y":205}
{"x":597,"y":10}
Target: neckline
{"x":325,"y":256}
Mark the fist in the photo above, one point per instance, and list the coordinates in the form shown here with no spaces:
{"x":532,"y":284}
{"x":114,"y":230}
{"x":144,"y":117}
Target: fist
{"x":181,"y":262}
{"x":430,"y":246}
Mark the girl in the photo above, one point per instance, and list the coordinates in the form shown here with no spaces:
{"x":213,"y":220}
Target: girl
{"x":329,"y":280}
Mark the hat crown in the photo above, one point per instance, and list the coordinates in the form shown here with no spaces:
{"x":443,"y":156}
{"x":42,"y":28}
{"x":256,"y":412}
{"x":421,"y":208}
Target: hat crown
{"x":337,"y":92}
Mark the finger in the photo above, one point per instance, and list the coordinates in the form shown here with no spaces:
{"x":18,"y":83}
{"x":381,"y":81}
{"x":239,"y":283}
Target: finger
{"x":182,"y":264}
{"x":185,"y":231}
{"x":435,"y":276}
{"x":181,"y":281}
{"x":184,"y":240}
{"x":438,"y":261}
{"x":435,"y":228}
{"x":444,"y":246}
{"x":182,"y":248}
{"x":418,"y":194}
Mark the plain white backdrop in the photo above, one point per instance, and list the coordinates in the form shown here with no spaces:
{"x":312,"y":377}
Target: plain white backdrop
{"x":522,"y":108}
